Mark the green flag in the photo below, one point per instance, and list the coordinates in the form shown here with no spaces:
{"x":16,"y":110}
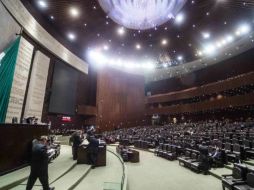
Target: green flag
{"x":8,"y":59}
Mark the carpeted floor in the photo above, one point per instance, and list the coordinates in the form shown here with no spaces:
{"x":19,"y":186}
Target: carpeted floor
{"x":154,"y":173}
{"x":58,"y":167}
{"x":96,"y":177}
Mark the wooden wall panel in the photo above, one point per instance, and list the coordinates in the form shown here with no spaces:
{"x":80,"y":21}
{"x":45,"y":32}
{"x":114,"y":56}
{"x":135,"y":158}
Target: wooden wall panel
{"x":15,"y":140}
{"x":120,"y":99}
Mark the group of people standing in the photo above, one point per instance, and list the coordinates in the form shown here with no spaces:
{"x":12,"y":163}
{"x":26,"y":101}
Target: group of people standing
{"x":93,"y":147}
{"x":39,"y":157}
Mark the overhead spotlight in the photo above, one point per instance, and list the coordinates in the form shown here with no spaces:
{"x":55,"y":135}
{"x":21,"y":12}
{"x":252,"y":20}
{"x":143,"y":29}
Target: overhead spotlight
{"x":129,"y":65}
{"x":206,"y":35}
{"x":105,"y":47}
{"x":199,"y":53}
{"x":42,"y":4}
{"x":148,"y":65}
{"x":224,"y":42}
{"x":209,"y":49}
{"x":74,"y":12}
{"x":121,"y":31}
{"x":180,"y":58}
{"x":138,"y":46}
{"x":219,"y":44}
{"x":164,"y":42}
{"x":229,"y":38}
{"x":179,"y":18}
{"x":71,"y":36}
{"x":119,"y":63}
{"x":243,"y":29}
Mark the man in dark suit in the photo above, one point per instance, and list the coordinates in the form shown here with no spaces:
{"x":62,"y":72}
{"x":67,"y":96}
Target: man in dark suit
{"x":93,"y":150}
{"x":204,"y":161}
{"x":39,"y":165}
{"x":76,"y":141}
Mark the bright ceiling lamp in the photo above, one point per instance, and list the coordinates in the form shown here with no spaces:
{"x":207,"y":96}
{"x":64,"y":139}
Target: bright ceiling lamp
{"x":141,"y":14}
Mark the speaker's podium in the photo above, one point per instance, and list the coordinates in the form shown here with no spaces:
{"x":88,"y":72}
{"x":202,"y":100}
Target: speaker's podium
{"x":83,"y":155}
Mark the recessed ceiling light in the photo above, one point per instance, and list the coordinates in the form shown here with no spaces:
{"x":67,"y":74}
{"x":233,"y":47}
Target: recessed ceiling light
{"x":138,"y":46}
{"x":106,"y":47}
{"x":164,"y":42}
{"x":42,"y":4}
{"x":74,"y":12}
{"x":229,"y":38}
{"x":121,"y":31}
{"x":179,"y":18}
{"x":206,"y":35}
{"x":210,"y":49}
{"x":71,"y":36}
{"x":52,"y":17}
{"x":243,"y":29}
{"x":180,"y":58}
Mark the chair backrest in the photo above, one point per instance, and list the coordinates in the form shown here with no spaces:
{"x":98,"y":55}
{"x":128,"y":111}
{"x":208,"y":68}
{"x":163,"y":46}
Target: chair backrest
{"x":228,"y":146}
{"x":194,"y":155}
{"x":169,"y":148}
{"x":250,"y":179}
{"x":187,"y":153}
{"x":236,"y":148}
{"x":237,"y":173}
{"x":243,"y":168}
{"x":235,"y":141}
{"x":219,"y":144}
{"x":246,"y":143}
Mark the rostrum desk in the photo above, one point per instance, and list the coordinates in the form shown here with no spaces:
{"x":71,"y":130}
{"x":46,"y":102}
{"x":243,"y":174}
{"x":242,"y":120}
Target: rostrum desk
{"x":83,"y":155}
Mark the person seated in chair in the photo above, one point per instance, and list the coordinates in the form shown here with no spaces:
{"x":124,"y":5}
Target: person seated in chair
{"x":216,"y":157}
{"x":39,"y":164}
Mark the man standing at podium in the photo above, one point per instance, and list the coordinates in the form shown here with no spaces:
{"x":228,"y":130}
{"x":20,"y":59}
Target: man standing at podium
{"x":76,"y":141}
{"x":93,"y":148}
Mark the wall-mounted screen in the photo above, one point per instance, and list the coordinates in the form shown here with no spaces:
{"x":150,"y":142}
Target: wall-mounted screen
{"x":63,"y":91}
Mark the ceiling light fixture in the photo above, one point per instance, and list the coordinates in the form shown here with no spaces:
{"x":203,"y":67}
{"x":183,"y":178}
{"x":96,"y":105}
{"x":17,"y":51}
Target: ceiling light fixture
{"x":138,"y":46}
{"x":42,"y":4}
{"x":180,"y":58}
{"x":71,"y":36}
{"x":74,"y":12}
{"x":141,"y":14}
{"x":243,"y":29}
{"x":106,"y":47}
{"x":121,"y":31}
{"x":206,"y":35}
{"x":179,"y":18}
{"x":164,"y":42}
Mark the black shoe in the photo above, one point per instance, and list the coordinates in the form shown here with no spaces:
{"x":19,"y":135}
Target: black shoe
{"x":93,"y":167}
{"x":51,"y":188}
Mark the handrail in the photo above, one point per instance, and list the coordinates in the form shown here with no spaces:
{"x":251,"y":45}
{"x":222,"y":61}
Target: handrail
{"x":124,"y":176}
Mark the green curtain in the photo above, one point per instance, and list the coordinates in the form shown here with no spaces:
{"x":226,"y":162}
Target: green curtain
{"x":7,"y":68}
